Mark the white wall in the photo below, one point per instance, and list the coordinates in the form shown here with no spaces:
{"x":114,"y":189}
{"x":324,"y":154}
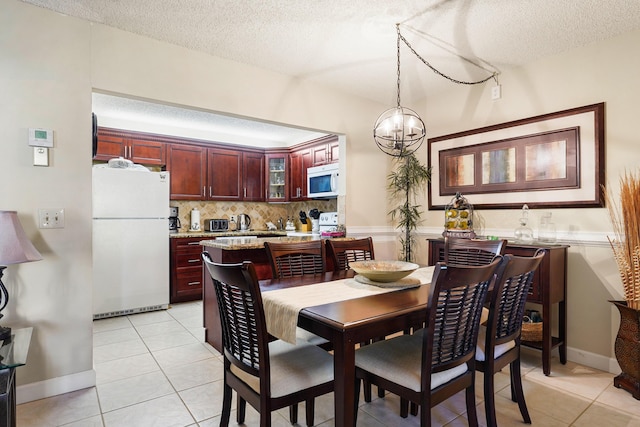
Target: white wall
{"x":597,"y":73}
{"x":45,"y":81}
{"x":49,"y":64}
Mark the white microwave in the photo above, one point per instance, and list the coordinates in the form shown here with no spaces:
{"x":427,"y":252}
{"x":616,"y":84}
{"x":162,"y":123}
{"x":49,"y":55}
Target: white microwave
{"x":322,"y":181}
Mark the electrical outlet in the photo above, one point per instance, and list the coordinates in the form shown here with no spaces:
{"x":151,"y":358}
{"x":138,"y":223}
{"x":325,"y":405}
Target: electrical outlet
{"x":50,"y":218}
{"x":496,"y":93}
{"x":232,"y":218}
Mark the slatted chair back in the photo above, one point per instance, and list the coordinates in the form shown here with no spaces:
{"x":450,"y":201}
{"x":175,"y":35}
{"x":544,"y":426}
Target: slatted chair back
{"x":438,"y":361}
{"x":460,"y":251}
{"x":342,"y":252}
{"x":292,"y":259}
{"x":267,"y":374}
{"x":244,"y":335}
{"x":499,"y":340}
{"x":455,"y":304}
{"x":510,"y":295}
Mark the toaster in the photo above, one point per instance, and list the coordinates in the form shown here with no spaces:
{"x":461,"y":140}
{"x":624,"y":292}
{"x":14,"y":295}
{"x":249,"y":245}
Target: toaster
{"x":216,"y":225}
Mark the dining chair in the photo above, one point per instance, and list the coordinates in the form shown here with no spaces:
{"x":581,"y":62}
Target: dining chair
{"x":342,"y":252}
{"x":291,"y":259}
{"x":268,"y":375}
{"x":499,"y":338}
{"x":461,"y":251}
{"x":437,"y":362}
{"x":301,"y":258}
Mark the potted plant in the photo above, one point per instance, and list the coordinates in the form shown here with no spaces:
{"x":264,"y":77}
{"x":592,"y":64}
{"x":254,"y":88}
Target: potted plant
{"x":626,"y":250}
{"x":404,"y":184}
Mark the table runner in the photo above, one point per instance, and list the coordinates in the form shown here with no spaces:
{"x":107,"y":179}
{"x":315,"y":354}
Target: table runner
{"x":282,"y":306}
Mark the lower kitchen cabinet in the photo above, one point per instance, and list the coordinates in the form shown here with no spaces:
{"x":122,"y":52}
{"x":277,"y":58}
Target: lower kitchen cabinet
{"x":186,"y":269}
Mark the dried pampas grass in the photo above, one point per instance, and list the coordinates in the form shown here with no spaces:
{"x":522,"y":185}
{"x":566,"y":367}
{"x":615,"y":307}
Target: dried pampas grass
{"x":625,"y":216}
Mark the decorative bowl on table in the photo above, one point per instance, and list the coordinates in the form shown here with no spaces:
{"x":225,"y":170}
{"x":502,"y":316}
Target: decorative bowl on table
{"x":383,"y":271}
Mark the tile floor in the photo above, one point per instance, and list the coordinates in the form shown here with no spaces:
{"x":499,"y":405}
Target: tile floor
{"x":154,"y":369}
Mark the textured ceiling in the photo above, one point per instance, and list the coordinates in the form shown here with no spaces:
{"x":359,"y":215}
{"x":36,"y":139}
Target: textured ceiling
{"x":351,"y":45}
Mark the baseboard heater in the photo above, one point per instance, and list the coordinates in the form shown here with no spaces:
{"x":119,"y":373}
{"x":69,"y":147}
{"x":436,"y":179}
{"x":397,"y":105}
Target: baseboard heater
{"x":130,"y":311}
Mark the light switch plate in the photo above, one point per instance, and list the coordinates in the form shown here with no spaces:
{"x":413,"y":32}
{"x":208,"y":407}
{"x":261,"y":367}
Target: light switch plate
{"x":40,"y":156}
{"x":50,"y":218}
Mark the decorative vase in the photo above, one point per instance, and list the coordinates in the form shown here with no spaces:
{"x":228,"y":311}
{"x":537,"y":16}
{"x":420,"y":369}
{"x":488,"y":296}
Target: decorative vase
{"x":627,"y":349}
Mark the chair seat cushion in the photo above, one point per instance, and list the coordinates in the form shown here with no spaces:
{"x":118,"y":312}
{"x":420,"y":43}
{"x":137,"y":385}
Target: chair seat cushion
{"x":500,"y":349}
{"x":293,"y":368}
{"x":399,"y":360}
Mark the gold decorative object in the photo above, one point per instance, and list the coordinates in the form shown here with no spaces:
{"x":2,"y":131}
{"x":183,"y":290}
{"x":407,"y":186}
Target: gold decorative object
{"x":458,"y":218}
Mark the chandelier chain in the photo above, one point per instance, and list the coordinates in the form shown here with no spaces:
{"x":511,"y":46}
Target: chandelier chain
{"x":401,"y":37}
{"x":398,"y":45}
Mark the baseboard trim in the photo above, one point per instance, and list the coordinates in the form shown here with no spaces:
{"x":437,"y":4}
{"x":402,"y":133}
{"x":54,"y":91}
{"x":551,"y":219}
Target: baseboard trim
{"x":55,"y":386}
{"x":593,"y":360}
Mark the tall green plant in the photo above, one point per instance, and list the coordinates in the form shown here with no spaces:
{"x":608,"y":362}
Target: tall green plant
{"x":404,"y":184}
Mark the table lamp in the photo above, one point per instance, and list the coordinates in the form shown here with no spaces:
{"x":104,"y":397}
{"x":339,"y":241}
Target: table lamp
{"x":15,"y":248}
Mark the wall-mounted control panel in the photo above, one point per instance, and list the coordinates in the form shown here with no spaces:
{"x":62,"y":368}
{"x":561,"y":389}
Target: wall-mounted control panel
{"x":41,"y":137}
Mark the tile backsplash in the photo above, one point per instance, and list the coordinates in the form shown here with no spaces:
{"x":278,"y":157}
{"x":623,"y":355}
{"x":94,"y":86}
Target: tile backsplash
{"x":259,"y":212}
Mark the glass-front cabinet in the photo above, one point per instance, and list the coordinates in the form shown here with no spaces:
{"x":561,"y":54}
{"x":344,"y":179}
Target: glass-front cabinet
{"x":277,"y":188}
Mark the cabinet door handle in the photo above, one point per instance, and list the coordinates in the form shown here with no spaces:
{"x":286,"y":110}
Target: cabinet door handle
{"x":244,"y":192}
{"x":193,"y":243}
{"x":210,"y":195}
{"x":194,"y":260}
{"x":193,"y":283}
{"x":204,"y":191}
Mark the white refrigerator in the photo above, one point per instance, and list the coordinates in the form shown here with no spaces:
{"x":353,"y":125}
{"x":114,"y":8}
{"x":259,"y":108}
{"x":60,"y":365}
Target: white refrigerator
{"x":130,"y":241}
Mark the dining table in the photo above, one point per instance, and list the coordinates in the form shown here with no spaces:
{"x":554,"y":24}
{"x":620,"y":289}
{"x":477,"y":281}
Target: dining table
{"x":346,"y":311}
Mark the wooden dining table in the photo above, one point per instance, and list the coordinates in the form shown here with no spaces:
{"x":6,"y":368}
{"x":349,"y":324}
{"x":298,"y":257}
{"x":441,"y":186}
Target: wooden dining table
{"x":349,"y":322}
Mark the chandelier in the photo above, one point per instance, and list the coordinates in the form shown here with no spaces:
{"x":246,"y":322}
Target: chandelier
{"x":399,"y":131}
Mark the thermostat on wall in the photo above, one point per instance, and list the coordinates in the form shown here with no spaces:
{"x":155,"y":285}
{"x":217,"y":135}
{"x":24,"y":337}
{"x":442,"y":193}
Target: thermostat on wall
{"x":41,"y":137}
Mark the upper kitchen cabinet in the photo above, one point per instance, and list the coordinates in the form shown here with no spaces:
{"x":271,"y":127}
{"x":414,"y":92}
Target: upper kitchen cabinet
{"x":303,"y":156}
{"x":277,"y":177}
{"x":235,"y":175}
{"x":253,"y":176}
{"x":187,"y":165}
{"x":134,"y":146}
{"x":299,"y":161}
{"x":325,"y":150}
{"x":224,"y":173}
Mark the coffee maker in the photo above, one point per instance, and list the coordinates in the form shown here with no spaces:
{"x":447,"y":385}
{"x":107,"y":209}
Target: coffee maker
{"x":174,"y":221}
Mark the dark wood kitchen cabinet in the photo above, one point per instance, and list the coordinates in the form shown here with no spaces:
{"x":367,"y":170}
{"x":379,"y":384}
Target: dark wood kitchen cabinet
{"x":253,"y":176}
{"x":549,"y":287}
{"x":137,"y":147}
{"x":235,"y":175}
{"x":299,"y":161}
{"x":186,"y":269}
{"x":277,"y":176}
{"x":224,"y":174}
{"x":187,"y":166}
{"x":201,"y":173}
{"x":325,"y":151}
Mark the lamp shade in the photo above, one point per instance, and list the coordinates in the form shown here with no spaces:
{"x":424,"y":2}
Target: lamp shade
{"x":15,"y":247}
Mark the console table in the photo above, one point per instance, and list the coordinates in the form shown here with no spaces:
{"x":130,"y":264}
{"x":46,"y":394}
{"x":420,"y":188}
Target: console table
{"x":549,"y":287}
{"x":13,"y":353}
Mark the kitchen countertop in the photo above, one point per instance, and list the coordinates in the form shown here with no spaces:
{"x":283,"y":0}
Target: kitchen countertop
{"x":253,"y":243}
{"x":213,"y":235}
